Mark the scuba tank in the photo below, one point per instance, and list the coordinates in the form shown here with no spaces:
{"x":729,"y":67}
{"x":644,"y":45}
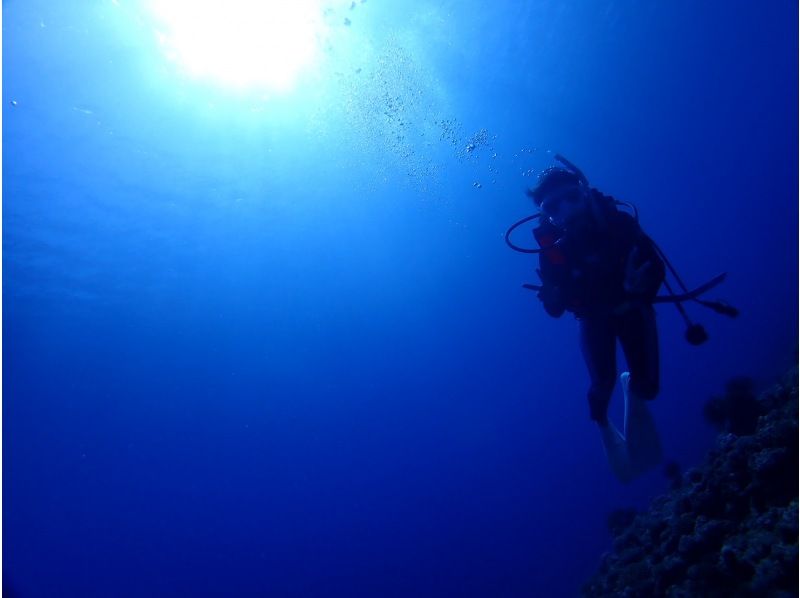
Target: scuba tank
{"x":695,"y":333}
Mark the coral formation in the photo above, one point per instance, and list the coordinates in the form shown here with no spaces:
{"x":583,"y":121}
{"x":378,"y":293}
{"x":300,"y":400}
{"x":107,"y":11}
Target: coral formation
{"x":673,"y":473}
{"x":738,"y":410}
{"x":730,"y":527}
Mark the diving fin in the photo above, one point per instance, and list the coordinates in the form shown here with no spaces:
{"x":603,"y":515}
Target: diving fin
{"x":641,"y":434}
{"x":617,"y":452}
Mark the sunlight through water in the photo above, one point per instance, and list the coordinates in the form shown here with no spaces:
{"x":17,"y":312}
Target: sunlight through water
{"x":241,"y":44}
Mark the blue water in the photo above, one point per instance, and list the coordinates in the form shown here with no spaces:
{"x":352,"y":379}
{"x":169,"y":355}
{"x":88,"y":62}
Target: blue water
{"x":276,"y":346}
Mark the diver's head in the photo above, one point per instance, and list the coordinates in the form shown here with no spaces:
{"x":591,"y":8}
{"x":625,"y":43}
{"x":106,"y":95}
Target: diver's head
{"x":552,"y":180}
{"x":562,"y":197}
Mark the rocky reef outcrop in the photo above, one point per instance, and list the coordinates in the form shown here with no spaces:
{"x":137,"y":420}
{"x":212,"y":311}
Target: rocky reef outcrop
{"x":728,"y":527}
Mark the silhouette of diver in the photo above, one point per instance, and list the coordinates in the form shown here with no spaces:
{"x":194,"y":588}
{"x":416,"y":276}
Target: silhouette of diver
{"x":597,"y":263}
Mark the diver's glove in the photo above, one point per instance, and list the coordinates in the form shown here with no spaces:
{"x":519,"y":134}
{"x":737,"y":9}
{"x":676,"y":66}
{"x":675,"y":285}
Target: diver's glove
{"x":640,"y":284}
{"x":640,"y":277}
{"x":550,"y":295}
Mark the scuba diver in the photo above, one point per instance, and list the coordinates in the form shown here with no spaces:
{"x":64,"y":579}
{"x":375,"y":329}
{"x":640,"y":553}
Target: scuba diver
{"x":596,"y":262}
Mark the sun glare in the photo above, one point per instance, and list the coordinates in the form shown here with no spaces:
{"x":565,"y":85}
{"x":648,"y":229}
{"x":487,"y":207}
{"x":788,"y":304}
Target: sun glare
{"x":244,"y":44}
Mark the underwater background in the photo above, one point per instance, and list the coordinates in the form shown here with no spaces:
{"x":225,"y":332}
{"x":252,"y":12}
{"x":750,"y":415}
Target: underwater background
{"x":272,"y":343}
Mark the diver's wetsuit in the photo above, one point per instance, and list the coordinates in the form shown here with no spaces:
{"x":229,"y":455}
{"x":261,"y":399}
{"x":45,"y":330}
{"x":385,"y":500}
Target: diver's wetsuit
{"x":585,"y":275}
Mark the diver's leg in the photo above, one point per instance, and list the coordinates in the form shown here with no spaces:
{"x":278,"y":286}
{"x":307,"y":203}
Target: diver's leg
{"x":638,"y":335}
{"x":598,"y":345}
{"x":639,"y":338}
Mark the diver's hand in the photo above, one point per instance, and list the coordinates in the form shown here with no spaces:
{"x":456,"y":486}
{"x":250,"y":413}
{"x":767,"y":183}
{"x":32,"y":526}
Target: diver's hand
{"x":550,"y":295}
{"x":637,"y":278}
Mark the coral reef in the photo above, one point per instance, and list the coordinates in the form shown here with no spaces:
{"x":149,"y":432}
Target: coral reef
{"x":729,"y":527}
{"x":738,"y":410}
{"x":673,"y":473}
